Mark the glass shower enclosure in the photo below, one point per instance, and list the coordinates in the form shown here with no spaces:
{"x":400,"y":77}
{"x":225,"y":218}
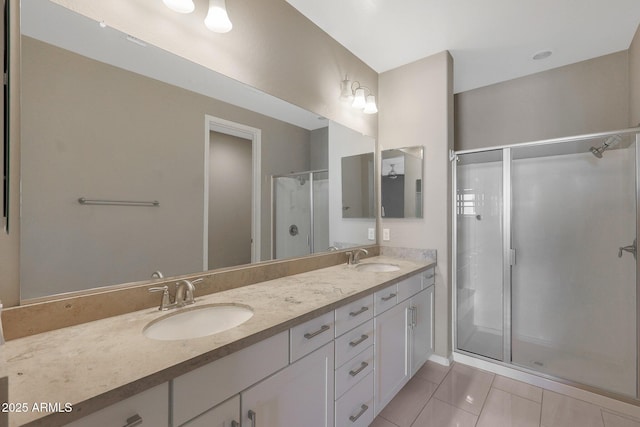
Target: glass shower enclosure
{"x":300,"y":213}
{"x":546,"y":265}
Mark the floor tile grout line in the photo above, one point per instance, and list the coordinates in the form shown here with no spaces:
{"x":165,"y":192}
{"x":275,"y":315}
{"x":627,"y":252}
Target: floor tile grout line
{"x":521,"y":397}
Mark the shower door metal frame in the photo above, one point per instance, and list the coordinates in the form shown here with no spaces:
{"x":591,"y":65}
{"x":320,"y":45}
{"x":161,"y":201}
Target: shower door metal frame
{"x":311,"y":237}
{"x":509,"y":257}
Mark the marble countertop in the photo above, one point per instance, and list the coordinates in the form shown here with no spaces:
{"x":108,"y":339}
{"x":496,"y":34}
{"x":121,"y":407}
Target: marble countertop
{"x":96,"y":364}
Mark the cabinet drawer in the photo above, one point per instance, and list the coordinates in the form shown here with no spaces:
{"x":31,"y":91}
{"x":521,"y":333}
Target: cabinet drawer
{"x":428,"y":278}
{"x":409,"y":287}
{"x":353,"y":342}
{"x":353,"y":371}
{"x":385,"y":299}
{"x":210,"y":385}
{"x":152,"y":406}
{"x":353,"y":314}
{"x":311,"y":335}
{"x":355,"y":408}
{"x":220,"y":416}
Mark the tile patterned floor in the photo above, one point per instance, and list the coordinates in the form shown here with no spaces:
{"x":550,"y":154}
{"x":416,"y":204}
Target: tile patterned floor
{"x":461,"y":396}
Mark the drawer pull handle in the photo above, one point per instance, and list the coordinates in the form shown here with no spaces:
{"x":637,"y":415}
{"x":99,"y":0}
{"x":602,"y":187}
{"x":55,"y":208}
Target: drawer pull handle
{"x":359,"y":341}
{"x":252,"y":416}
{"x":354,"y":418}
{"x":318,"y":332}
{"x":387,"y":298}
{"x":362,"y":367}
{"x":430,"y":276}
{"x":133,"y":421}
{"x":356,"y":313}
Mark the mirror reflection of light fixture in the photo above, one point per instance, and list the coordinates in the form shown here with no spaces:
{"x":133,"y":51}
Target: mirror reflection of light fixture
{"x":217,"y":19}
{"x":180,"y":6}
{"x":355,"y":93}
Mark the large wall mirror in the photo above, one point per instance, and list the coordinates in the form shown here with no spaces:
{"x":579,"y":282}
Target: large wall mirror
{"x":401,"y":184}
{"x":135,"y":160}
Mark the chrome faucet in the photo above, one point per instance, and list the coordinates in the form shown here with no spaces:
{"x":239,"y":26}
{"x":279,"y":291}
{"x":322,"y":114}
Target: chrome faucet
{"x":354,"y":255}
{"x":184,"y":292}
{"x":183,"y":296}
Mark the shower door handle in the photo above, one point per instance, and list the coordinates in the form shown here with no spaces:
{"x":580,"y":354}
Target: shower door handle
{"x":632,"y":249}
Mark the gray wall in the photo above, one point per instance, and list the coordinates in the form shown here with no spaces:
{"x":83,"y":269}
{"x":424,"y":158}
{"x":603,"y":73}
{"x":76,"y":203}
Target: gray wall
{"x":272,"y":47}
{"x":634,"y":80}
{"x":590,"y":96}
{"x":122,"y":136}
{"x":417,"y":101}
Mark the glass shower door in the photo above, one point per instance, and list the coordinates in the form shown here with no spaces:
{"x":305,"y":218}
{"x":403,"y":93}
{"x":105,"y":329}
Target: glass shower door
{"x":292,"y":226}
{"x":480,"y":309}
{"x":573,"y":288}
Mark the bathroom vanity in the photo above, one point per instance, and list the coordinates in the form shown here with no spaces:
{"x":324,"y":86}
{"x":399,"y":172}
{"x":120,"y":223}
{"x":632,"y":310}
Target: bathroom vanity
{"x":307,"y":354}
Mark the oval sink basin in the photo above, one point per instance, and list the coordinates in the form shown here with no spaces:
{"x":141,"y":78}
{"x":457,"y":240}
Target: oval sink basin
{"x":198,"y":322}
{"x":377,"y":267}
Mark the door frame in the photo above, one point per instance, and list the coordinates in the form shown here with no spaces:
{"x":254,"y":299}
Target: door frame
{"x":217,"y":124}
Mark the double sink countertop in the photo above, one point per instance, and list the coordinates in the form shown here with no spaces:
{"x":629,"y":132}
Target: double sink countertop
{"x":96,"y":364}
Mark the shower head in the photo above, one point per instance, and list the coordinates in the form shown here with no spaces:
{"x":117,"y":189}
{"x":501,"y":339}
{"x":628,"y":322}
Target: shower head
{"x":610,"y":142}
{"x":596,"y":152}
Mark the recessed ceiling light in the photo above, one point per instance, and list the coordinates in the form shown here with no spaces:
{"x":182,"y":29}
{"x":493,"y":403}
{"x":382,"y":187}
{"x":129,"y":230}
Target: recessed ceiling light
{"x":543,"y":54}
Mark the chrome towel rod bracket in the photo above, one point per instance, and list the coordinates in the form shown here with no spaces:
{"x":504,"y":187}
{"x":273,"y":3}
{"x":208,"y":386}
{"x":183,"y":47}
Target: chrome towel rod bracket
{"x":85,"y":201}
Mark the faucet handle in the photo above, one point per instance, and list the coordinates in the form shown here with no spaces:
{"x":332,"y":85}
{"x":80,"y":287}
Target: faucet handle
{"x":166,"y":301}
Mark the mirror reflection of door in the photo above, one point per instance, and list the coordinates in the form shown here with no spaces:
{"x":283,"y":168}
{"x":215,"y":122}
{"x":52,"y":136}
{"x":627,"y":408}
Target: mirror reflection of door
{"x":230,"y":179}
{"x":393,"y":196}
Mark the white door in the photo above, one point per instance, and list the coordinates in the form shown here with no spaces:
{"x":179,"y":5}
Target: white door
{"x":421,"y":336}
{"x":300,"y":395}
{"x":391,"y":361}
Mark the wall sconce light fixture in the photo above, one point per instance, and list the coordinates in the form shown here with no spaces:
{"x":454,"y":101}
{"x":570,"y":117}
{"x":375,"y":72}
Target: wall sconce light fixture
{"x":217,"y":19}
{"x":180,"y":6}
{"x":355,"y":93}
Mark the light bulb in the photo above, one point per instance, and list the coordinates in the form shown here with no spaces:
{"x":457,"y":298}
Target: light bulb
{"x":217,"y":19}
{"x":346,"y":93}
{"x":370,"y":107}
{"x":180,"y":6}
{"x":359,"y":101}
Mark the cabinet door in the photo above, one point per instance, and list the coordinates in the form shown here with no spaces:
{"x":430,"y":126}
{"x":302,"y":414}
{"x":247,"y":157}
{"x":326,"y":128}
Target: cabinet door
{"x":420,"y":313}
{"x":149,"y":408}
{"x":299,"y":395}
{"x":226,"y":414}
{"x":391,"y":348}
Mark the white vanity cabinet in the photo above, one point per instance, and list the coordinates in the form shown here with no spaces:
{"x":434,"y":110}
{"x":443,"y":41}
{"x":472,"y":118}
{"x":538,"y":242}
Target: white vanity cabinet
{"x":403,"y":337}
{"x":391,"y":350}
{"x":299,"y":395}
{"x":226,"y":414}
{"x":202,"y":389}
{"x":149,"y":408}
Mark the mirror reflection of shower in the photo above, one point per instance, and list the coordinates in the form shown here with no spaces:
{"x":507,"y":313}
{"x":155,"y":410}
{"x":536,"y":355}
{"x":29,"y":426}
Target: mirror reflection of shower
{"x":300,"y":202}
{"x":610,"y":142}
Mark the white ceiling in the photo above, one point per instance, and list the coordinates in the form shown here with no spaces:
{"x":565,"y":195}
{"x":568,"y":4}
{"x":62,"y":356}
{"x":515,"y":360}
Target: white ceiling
{"x":490,"y":40}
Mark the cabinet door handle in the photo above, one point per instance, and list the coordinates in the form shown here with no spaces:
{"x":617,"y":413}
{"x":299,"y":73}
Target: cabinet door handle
{"x":387,"y":298}
{"x":414,"y":316}
{"x":318,"y":332}
{"x":359,"y":341}
{"x":363,"y":365}
{"x":133,"y":421}
{"x":234,"y":423}
{"x":252,"y":416}
{"x":354,"y":418}
{"x":356,"y":313}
